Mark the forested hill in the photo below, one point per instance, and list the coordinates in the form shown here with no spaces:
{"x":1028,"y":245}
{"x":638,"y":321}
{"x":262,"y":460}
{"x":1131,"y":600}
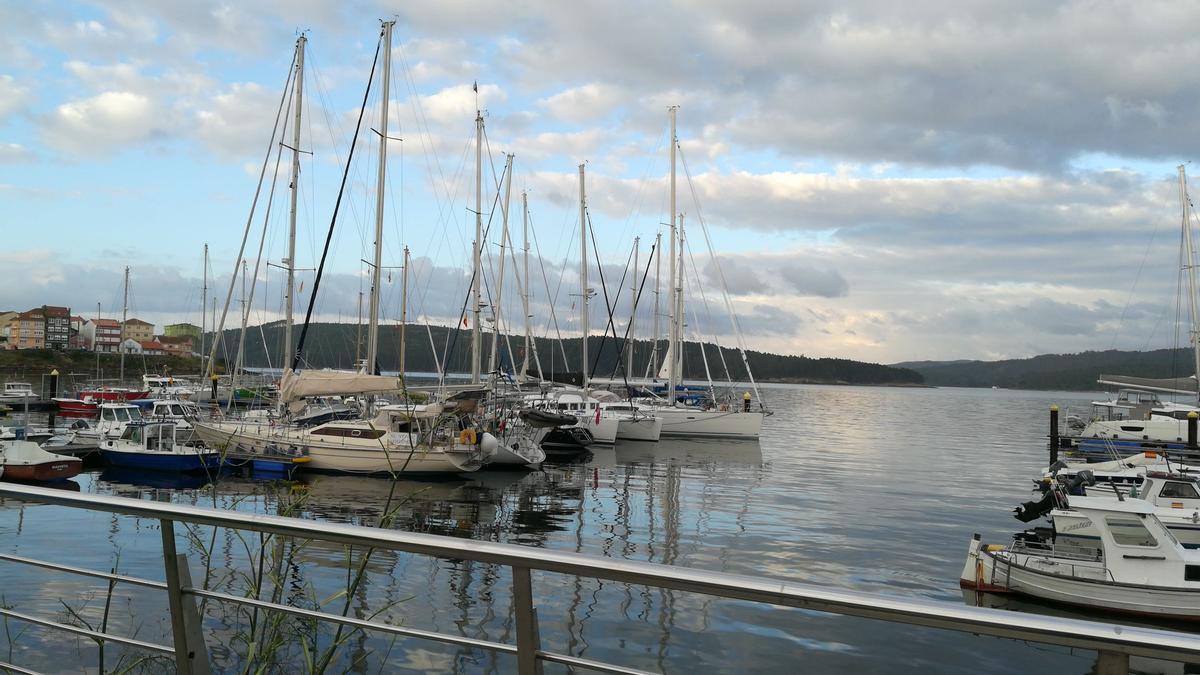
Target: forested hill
{"x":1072,"y":372}
{"x":331,"y":345}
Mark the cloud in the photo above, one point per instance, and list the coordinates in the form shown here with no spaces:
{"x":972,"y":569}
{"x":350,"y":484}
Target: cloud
{"x":13,"y":96}
{"x":13,"y":153}
{"x":104,"y":122}
{"x":584,"y":103}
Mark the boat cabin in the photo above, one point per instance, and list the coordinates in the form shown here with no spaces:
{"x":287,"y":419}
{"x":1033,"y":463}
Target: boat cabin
{"x":174,"y":409}
{"x":1169,"y":491}
{"x":151,"y":437}
{"x":1128,"y":404}
{"x":18,"y":390}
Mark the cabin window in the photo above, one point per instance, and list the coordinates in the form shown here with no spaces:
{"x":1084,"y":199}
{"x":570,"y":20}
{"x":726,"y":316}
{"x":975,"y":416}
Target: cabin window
{"x":109,"y":415}
{"x":345,"y":432}
{"x":1179,"y":490}
{"x":1129,"y":531}
{"x":177,"y":410}
{"x":1191,"y":572}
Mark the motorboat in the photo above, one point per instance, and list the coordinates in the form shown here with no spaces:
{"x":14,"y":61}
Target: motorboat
{"x":163,"y":386}
{"x":1138,"y":566}
{"x":76,"y":406}
{"x":26,"y":461}
{"x":112,"y":394}
{"x":401,"y":438}
{"x":114,"y":417}
{"x":152,"y":445}
{"x":177,"y":411}
{"x":1176,"y":500}
{"x":18,"y":393}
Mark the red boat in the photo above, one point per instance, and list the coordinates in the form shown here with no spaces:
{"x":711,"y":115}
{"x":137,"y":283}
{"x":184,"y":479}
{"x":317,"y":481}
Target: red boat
{"x":113,"y":395}
{"x":77,"y":406}
{"x":25,"y":461}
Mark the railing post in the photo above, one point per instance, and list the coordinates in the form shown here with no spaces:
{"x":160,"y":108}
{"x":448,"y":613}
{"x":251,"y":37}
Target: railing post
{"x":1112,"y":663}
{"x":191,"y":654}
{"x":528,"y":642}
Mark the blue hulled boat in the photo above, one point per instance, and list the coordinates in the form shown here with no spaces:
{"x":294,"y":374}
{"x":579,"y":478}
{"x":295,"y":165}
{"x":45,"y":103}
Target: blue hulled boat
{"x":153,"y":446}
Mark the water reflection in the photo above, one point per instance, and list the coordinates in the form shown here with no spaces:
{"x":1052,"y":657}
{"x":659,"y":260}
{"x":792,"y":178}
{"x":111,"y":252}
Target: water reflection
{"x":851,"y":487}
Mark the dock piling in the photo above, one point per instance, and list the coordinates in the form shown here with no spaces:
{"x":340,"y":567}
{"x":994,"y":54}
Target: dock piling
{"x":1054,"y":434}
{"x":1192,"y":430}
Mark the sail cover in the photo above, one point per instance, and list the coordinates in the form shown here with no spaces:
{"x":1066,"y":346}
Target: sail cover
{"x":1170,"y":385}
{"x":293,"y":385}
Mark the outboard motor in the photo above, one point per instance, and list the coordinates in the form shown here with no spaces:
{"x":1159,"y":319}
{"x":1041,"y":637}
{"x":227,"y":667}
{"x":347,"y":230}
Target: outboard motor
{"x":1034,"y":509}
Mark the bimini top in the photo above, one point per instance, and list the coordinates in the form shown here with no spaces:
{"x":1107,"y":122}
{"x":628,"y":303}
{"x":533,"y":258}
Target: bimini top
{"x":1129,"y":505}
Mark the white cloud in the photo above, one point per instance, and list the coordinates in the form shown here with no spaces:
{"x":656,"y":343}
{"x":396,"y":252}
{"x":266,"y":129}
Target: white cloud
{"x":584,"y":103}
{"x":105,"y":122}
{"x":13,"y":96}
{"x":12,"y":153}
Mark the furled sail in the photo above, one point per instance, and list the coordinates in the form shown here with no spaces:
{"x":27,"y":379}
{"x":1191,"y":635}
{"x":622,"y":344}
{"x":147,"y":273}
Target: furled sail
{"x":295,"y":385}
{"x":1170,"y":385}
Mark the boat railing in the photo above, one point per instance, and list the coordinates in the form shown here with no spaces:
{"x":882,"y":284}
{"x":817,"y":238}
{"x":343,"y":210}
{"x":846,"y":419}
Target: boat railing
{"x":1114,"y":643}
{"x":1058,"y":550}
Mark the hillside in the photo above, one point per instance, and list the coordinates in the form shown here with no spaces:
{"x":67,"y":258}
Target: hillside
{"x":1072,"y":372}
{"x":333,"y":346}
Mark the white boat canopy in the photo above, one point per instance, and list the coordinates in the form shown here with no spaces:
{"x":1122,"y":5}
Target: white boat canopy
{"x":1170,"y":385}
{"x":294,"y":386}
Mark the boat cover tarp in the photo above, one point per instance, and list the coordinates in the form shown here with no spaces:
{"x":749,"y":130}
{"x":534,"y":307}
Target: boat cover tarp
{"x":1170,"y":385}
{"x":293,"y":385}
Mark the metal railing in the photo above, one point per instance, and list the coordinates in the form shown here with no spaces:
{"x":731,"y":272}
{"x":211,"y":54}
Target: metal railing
{"x":1114,"y":643}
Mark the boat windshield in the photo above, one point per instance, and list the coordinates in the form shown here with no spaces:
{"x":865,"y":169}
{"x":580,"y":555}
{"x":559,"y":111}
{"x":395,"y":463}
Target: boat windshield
{"x":1127,"y":531}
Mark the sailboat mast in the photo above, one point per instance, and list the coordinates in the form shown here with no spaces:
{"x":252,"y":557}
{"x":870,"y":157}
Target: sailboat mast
{"x":203,"y":306}
{"x":1190,"y":262}
{"x":403,"y":308}
{"x":124,"y":318}
{"x":677,"y":357}
{"x":583,"y":277}
{"x":525,"y":287}
{"x":476,"y":247}
{"x":633,"y":311}
{"x":657,"y":282}
{"x":373,"y":327}
{"x":291,"y":257}
{"x":675,"y":319}
{"x":497,"y":306}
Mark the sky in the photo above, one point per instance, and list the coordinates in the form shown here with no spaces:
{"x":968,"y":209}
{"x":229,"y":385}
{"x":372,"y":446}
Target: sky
{"x":868,"y":180}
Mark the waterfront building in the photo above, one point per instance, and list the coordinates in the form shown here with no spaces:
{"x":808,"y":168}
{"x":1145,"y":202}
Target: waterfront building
{"x":182,"y":330}
{"x":28,"y":330}
{"x":57,"y":327}
{"x":152,"y":348}
{"x":138,"y":330}
{"x":101,"y":335}
{"x":75,"y":339}
{"x":131,"y":346}
{"x":5,"y":327}
{"x":177,"y":345}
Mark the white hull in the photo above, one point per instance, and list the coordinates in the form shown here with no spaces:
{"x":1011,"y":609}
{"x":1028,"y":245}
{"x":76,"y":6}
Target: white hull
{"x":604,"y":431}
{"x":1162,"y":429}
{"x":345,"y":455}
{"x":527,"y":453}
{"x":1003,"y":571}
{"x":1184,"y":524}
{"x":641,"y":428}
{"x":683,"y":421}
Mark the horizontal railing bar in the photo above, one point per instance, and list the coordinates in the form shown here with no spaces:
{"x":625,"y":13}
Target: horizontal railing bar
{"x":1078,"y":633}
{"x":82,"y":571}
{"x":357,"y":623}
{"x":17,"y":669}
{"x":106,"y":637}
{"x":589,"y":664}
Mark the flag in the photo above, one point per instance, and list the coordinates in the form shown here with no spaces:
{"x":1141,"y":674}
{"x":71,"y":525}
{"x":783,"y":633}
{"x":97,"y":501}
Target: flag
{"x":597,"y":414}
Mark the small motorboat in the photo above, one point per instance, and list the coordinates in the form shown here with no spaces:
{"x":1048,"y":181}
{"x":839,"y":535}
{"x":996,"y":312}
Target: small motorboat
{"x":152,"y":445}
{"x":77,"y":406}
{"x":17,"y":393}
{"x":26,"y":461}
{"x":1136,"y":565}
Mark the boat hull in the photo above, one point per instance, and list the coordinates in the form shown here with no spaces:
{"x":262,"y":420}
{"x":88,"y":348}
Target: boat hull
{"x":992,"y":571}
{"x":603,"y":431}
{"x":640,"y":429}
{"x":74,"y":405}
{"x":165,"y":461}
{"x":696,"y":423}
{"x":42,"y":472}
{"x":346,"y":457}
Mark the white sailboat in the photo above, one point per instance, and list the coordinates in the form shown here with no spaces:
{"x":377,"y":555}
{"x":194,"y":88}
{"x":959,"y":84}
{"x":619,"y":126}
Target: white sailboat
{"x":677,"y":419}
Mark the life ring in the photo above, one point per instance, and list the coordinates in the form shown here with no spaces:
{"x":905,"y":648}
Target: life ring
{"x":467,"y":437}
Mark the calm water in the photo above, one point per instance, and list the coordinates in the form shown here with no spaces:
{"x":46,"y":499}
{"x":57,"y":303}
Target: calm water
{"x":873,"y":489}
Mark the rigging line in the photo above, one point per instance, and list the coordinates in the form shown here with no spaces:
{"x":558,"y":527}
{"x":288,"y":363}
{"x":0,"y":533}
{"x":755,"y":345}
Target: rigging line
{"x":1136,"y":279}
{"x":219,"y":330}
{"x":737,"y":327}
{"x":707,"y":313}
{"x":636,"y":299}
{"x":337,"y":204}
{"x":609,"y":307}
{"x":551,"y":300}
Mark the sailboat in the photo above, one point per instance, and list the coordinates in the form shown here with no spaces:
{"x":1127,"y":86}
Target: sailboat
{"x":1165,"y":422}
{"x":679,"y":419}
{"x":395,"y":439}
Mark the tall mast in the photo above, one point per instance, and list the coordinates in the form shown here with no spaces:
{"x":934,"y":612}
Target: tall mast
{"x":373,"y":328}
{"x":291,"y":257}
{"x":96,"y":339}
{"x":677,"y":357}
{"x":653,"y":371}
{"x":675,"y":319}
{"x":632,"y":312}
{"x":124,"y":318}
{"x":525,"y":287}
{"x":403,"y":307}
{"x":203,"y":306}
{"x":478,"y":244}
{"x":1190,"y":263}
{"x":497,"y":307}
{"x":583,"y":277}
{"x":358,"y":334}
